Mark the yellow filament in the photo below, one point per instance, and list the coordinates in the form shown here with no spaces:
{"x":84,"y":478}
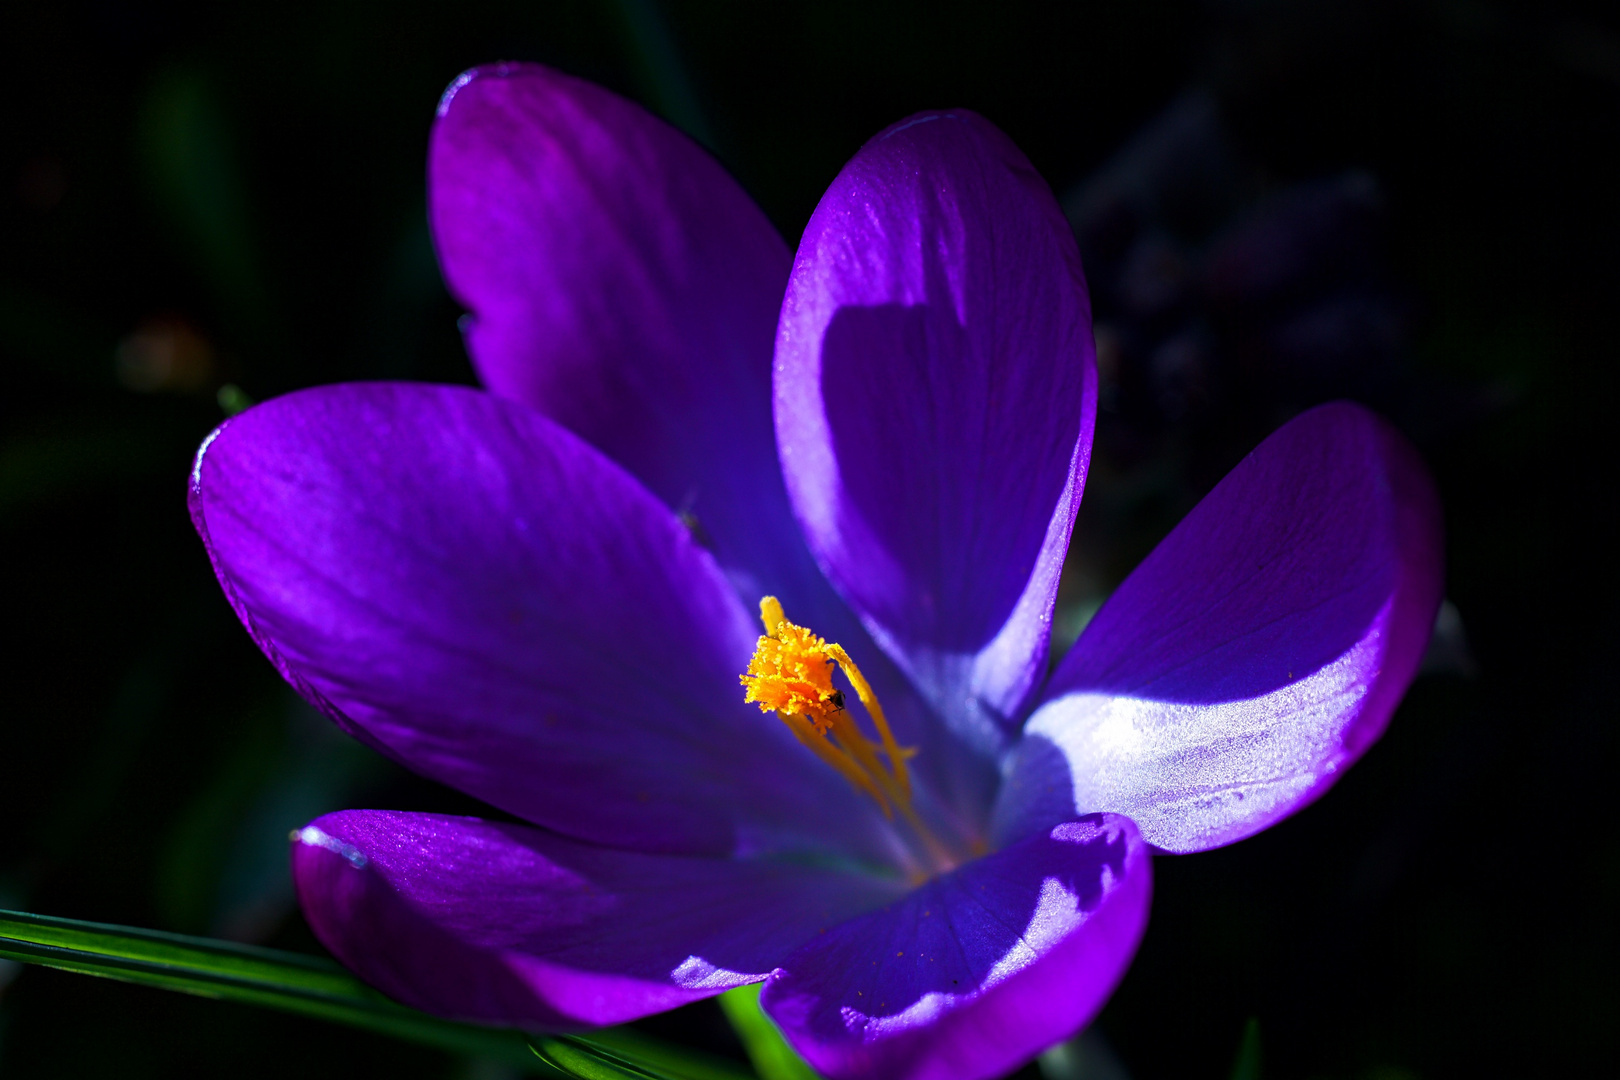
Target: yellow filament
{"x":790,"y":674}
{"x":834,"y":756}
{"x":863,"y":690}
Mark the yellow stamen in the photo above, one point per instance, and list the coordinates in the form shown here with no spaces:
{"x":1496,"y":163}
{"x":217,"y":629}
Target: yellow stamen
{"x":790,"y":674}
{"x":791,"y":671}
{"x":863,"y":690}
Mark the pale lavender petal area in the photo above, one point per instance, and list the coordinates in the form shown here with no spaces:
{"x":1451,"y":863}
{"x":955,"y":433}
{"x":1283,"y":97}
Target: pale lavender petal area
{"x":621,"y":282}
{"x":506,"y":924}
{"x":935,"y":396}
{"x":975,"y":972}
{"x":473,"y":590}
{"x":1255,"y":654}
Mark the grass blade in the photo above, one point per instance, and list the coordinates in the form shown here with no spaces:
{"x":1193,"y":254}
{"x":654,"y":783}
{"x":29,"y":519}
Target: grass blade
{"x":317,"y":987}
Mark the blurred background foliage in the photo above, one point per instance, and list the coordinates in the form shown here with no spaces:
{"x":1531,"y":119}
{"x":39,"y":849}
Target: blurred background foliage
{"x":1407,"y":202}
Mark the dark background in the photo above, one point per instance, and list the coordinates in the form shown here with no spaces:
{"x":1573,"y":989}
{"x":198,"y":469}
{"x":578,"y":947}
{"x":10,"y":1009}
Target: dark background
{"x":1410,"y":203}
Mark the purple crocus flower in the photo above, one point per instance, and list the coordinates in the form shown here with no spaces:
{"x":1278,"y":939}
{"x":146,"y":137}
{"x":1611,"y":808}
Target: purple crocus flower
{"x":543,"y":595}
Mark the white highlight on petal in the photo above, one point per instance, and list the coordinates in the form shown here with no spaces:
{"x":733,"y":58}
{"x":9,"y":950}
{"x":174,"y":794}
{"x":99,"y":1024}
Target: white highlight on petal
{"x":1200,"y":774}
{"x":196,"y":462}
{"x":696,"y":973}
{"x":314,"y":837}
{"x":450,"y":91}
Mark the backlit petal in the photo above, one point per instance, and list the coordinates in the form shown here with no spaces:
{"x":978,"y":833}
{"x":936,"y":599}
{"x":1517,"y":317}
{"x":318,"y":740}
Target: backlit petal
{"x":1255,"y":654}
{"x":511,"y":925}
{"x":476,"y":592}
{"x":935,"y":398}
{"x":975,"y":972}
{"x":621,"y":282}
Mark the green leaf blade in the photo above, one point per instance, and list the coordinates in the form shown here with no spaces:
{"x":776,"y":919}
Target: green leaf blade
{"x":317,"y":987}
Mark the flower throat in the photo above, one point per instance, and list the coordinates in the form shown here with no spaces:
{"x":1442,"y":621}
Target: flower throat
{"x":790,"y":674}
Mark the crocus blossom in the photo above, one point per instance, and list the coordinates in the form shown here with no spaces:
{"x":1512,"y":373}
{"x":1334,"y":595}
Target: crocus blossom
{"x":545,"y":594}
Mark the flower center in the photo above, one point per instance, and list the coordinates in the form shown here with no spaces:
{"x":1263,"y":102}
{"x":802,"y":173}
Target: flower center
{"x":790,"y":674}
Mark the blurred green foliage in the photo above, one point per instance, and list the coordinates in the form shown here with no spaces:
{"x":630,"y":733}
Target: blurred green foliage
{"x":1247,"y":1065}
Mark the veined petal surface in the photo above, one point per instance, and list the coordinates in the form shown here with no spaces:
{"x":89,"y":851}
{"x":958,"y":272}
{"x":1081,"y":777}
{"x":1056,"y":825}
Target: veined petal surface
{"x":476,"y":592}
{"x":506,"y":924}
{"x":1255,"y":654}
{"x":935,"y":393}
{"x":974,"y":972}
{"x":621,"y":282}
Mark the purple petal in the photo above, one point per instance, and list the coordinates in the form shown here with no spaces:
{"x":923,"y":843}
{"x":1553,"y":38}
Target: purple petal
{"x":623,"y":284}
{"x":476,"y":592}
{"x":935,"y":395}
{"x":510,"y":925}
{"x":1255,"y":654}
{"x":977,"y":971}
